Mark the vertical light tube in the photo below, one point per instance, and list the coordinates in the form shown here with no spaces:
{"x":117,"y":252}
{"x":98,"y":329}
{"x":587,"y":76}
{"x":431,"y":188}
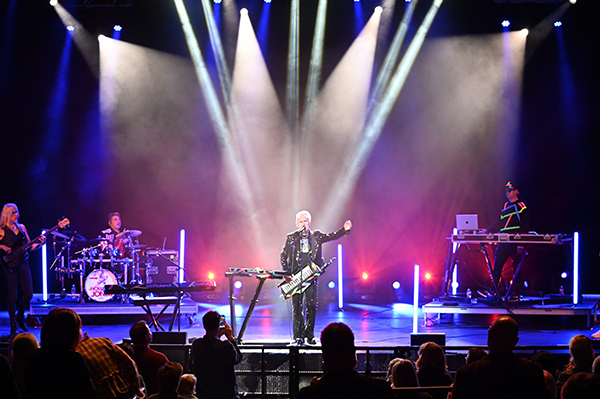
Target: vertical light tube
{"x":181,"y":255}
{"x":416,"y":300}
{"x":340,"y":279}
{"x":44,"y":271}
{"x":575,"y":268}
{"x":455,"y":271}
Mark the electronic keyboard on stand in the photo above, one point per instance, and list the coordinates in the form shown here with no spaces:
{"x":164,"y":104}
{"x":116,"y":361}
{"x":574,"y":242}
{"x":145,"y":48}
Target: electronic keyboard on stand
{"x":464,"y":237}
{"x":143,"y":290}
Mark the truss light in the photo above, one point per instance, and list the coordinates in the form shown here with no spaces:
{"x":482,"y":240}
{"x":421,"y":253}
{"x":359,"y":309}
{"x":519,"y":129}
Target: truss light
{"x":505,"y":23}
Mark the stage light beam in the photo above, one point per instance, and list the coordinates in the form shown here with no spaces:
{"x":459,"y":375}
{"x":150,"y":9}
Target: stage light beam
{"x":344,"y":185}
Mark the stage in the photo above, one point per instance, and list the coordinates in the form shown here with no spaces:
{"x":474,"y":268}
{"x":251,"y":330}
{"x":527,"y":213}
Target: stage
{"x":374,"y":325}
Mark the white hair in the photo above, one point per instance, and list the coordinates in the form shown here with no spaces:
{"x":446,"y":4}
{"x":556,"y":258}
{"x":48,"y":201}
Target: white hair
{"x":305,"y":213}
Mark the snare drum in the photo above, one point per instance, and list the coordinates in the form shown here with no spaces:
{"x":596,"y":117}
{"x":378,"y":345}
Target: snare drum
{"x":95,"y":282}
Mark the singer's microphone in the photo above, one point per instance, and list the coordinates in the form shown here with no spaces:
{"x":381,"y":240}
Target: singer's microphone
{"x":302,"y":229}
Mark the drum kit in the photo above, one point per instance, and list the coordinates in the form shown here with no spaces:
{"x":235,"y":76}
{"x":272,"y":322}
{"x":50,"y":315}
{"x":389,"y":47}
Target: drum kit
{"x":106,"y":261}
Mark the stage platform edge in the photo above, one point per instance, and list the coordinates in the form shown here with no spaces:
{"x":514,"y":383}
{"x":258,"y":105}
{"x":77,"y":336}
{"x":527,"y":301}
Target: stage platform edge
{"x":587,"y":307}
{"x":40,"y":308}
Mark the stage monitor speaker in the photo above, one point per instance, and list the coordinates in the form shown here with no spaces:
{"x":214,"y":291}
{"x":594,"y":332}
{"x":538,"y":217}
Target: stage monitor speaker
{"x":169,"y":337}
{"x":162,"y":267}
{"x":420,"y":339}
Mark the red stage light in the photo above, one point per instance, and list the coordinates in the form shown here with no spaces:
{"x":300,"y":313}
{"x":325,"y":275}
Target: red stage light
{"x":427,"y":276}
{"x":365,"y":275}
{"x":211,"y":276}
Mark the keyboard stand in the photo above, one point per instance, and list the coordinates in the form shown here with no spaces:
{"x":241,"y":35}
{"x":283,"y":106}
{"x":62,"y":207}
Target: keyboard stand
{"x":166,"y":301}
{"x":261,"y":282}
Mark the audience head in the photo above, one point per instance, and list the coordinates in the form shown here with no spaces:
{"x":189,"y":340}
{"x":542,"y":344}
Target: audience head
{"x":21,"y":346}
{"x":337,"y":345}
{"x":546,"y":360}
{"x":582,"y":353}
{"x":596,"y":365}
{"x":127,"y":348}
{"x":211,"y":321}
{"x":169,"y":375}
{"x":581,"y":386}
{"x":503,"y":335}
{"x":61,"y":330}
{"x":404,"y":374}
{"x":391,"y":367}
{"x":475,"y":354}
{"x":550,"y":384}
{"x":140,"y":333}
{"x":431,"y":358}
{"x":187,"y":385}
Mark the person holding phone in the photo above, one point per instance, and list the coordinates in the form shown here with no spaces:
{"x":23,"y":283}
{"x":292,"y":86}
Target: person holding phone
{"x":214,"y":359}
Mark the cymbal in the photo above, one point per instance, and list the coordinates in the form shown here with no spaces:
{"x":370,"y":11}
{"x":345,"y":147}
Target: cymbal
{"x":59,"y":235}
{"x":139,"y":246}
{"x":129,"y":233}
{"x":73,"y":234}
{"x":100,"y":239}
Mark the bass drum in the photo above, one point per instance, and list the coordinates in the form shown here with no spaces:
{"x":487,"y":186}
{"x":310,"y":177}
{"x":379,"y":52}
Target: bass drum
{"x":95,"y":282}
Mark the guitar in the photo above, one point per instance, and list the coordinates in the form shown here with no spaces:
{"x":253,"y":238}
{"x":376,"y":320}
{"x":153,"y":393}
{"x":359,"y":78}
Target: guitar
{"x":12,"y":259}
{"x":302,"y":279}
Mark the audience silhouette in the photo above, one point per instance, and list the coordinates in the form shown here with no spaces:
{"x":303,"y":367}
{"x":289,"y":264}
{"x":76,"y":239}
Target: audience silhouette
{"x":340,"y":379}
{"x":148,"y":360}
{"x":501,"y":374}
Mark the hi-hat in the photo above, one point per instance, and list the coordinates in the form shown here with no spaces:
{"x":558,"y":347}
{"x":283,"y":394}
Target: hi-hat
{"x":129,"y":233}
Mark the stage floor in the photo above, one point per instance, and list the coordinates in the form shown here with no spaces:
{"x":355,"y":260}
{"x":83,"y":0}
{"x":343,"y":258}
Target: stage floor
{"x":373,"y":325}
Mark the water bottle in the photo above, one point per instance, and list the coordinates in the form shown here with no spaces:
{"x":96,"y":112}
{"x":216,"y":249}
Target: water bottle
{"x":562,"y":290}
{"x":73,"y":289}
{"x":469,"y":294}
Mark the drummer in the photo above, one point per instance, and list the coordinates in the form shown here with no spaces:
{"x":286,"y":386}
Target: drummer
{"x":115,"y":245}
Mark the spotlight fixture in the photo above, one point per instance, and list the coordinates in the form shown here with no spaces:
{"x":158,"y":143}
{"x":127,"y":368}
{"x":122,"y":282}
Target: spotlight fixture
{"x":53,"y":2}
{"x":396,"y":285}
{"x":572,"y":1}
{"x":564,"y":275}
{"x":557,"y":24}
{"x":118,"y":28}
{"x":70,"y":28}
{"x":505,"y":23}
{"x":331,"y":285}
{"x":217,"y":1}
{"x":244,"y":11}
{"x":237,"y":284}
{"x":524,"y":32}
{"x":268,"y":1}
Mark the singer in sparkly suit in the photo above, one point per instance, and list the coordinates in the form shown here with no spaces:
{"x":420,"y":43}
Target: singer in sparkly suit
{"x":301,"y":247}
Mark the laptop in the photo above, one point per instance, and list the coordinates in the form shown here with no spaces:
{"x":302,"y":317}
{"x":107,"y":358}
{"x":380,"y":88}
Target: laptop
{"x":467,"y":223}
